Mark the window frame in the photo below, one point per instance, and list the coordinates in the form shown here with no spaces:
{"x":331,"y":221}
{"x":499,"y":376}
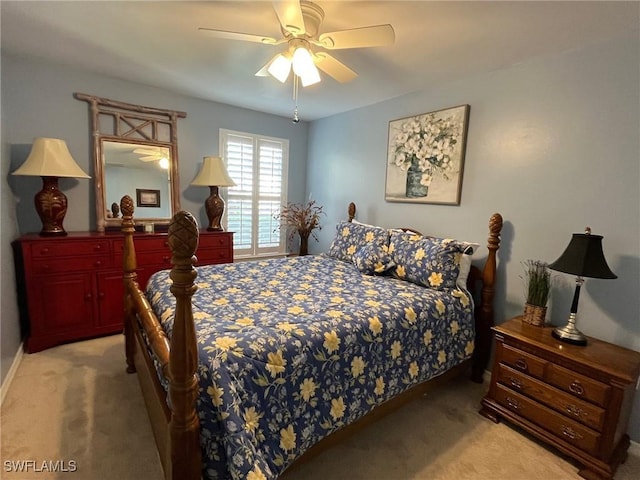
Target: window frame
{"x":255,"y":251}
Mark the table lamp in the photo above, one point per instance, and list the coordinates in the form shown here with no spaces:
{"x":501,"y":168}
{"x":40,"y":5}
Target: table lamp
{"x":50,"y":159}
{"x":582,"y":257}
{"x":213,"y":174}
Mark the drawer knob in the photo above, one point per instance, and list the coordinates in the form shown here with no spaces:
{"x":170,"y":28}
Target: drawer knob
{"x":575,"y":411}
{"x":97,"y":247}
{"x":44,"y":251}
{"x":97,"y":263}
{"x":576,"y":388}
{"x":516,"y":383}
{"x":571,"y":433}
{"x":165,"y":259}
{"x":88,"y":297}
{"x":521,"y":363}
{"x":513,"y":403}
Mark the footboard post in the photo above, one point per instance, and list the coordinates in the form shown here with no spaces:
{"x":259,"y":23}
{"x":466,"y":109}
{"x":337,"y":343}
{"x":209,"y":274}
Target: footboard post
{"x":130,"y":277}
{"x":184,"y":426}
{"x":484,"y":319}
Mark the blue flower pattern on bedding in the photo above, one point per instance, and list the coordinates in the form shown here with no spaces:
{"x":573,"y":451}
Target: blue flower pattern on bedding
{"x":293,"y":349}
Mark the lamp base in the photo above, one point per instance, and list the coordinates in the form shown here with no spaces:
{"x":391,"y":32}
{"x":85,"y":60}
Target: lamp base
{"x":570,"y":334}
{"x":51,"y":205}
{"x":214,"y":206}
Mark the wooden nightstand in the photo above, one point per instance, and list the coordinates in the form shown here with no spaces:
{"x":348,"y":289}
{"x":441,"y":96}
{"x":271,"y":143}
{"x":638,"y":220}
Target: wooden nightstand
{"x":577,"y":399}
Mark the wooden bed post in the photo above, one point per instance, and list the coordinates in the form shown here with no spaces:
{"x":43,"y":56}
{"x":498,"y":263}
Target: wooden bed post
{"x":184,"y":426}
{"x":130,"y":277}
{"x":484,"y":320}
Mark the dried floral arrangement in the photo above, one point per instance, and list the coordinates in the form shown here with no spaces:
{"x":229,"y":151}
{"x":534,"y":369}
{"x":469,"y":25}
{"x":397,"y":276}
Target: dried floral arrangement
{"x":303,"y":219}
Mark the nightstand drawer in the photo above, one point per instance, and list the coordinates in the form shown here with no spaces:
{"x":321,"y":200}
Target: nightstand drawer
{"x":578,"y":385}
{"x":523,"y":361}
{"x":565,"y":429}
{"x":584,"y":412}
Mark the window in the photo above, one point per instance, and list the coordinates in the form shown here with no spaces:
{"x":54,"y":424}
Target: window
{"x":258,"y":165}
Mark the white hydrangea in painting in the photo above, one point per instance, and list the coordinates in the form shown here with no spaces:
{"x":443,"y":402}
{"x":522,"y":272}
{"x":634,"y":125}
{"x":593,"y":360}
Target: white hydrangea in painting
{"x":426,"y":156}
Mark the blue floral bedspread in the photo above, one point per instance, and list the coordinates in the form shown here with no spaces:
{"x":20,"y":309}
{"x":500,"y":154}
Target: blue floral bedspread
{"x":294,"y":349}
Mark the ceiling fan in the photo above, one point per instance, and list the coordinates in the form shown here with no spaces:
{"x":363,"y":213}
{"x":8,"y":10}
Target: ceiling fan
{"x":300,"y":22}
{"x":154,"y":154}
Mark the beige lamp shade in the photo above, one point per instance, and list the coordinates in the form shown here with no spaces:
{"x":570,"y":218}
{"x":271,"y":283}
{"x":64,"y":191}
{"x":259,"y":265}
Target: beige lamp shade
{"x":50,"y":157}
{"x":213,"y":173}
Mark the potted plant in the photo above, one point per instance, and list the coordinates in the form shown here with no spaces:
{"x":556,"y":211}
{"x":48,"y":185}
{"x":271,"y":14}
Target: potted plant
{"x":301,"y":219}
{"x":537,"y":282}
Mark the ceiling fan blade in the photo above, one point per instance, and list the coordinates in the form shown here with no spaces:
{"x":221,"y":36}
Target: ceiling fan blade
{"x":290,"y":16}
{"x":247,"y":37}
{"x":334,"y":68}
{"x":146,"y":151}
{"x":373,"y":36}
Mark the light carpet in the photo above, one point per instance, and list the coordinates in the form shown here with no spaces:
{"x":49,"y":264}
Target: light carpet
{"x":75,"y":403}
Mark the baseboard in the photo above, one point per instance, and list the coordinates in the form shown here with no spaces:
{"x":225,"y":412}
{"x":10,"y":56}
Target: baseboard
{"x":11,"y":373}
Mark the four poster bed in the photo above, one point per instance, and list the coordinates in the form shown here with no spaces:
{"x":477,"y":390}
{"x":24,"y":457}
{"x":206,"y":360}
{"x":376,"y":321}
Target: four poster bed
{"x":246,"y":368}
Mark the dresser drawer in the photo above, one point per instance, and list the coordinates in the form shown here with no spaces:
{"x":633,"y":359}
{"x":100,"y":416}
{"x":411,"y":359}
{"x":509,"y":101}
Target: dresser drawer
{"x":154,"y":259}
{"x":584,"y":412}
{"x":69,"y":248}
{"x":209,"y":256}
{"x":522,"y":361}
{"x":143,"y":243}
{"x":578,"y":385}
{"x":71,"y":264}
{"x":562,"y":427}
{"x":215,"y":240}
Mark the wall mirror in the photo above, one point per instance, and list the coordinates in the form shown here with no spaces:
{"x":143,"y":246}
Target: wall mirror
{"x":135,"y":153}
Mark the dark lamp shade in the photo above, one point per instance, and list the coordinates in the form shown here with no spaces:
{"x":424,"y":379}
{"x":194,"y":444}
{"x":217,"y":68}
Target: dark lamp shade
{"x":584,"y":257}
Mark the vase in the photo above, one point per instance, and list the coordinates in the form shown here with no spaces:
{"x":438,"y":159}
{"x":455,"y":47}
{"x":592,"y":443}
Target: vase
{"x":304,"y":244}
{"x":415,"y":189}
{"x":534,"y":315}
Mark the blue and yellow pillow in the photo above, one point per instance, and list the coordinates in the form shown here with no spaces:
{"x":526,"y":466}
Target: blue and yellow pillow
{"x":351,"y":237}
{"x":432,"y":262}
{"x":373,"y":259}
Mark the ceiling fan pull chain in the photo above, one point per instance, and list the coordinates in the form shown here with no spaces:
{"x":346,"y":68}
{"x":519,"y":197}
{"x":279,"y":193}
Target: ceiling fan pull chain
{"x":295,"y":99}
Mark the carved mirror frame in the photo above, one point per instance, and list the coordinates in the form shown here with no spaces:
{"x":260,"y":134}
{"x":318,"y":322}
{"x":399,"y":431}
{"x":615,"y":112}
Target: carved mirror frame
{"x":115,"y":121}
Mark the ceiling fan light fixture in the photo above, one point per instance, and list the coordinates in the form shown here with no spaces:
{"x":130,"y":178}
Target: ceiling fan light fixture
{"x":304,"y":67}
{"x":280,"y":68}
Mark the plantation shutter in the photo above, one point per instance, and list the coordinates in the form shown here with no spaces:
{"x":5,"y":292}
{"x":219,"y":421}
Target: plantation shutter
{"x":257,"y":165}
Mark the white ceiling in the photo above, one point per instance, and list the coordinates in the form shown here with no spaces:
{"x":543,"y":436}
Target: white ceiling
{"x":158,"y":44}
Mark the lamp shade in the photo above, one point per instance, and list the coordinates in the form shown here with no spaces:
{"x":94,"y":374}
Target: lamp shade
{"x":584,"y":257}
{"x":213,"y":173}
{"x":50,"y":157}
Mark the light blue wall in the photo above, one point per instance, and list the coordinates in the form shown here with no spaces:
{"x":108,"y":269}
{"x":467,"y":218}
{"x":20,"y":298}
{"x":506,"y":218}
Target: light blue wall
{"x":37,"y":100}
{"x":553,"y":145}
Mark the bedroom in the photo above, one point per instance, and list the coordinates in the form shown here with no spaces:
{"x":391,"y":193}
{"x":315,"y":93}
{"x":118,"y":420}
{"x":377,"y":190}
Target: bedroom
{"x":552,"y":146}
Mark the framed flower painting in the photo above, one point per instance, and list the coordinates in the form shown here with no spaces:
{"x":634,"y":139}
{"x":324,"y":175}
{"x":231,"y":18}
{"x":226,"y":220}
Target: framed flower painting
{"x":425,"y":157}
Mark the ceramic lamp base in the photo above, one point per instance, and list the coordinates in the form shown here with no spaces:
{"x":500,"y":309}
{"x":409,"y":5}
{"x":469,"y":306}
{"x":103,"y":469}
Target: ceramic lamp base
{"x":51,"y":205}
{"x":214,"y":206}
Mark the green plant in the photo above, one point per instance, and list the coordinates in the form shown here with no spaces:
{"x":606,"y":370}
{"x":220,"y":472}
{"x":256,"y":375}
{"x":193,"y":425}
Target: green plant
{"x":537,"y":282}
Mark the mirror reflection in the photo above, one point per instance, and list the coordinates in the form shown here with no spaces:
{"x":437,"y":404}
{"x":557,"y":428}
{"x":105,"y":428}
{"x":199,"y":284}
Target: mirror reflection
{"x":140,"y":171}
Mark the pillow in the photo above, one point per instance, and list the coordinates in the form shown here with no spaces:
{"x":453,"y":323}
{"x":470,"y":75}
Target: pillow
{"x":373,"y":259}
{"x":465,"y":263}
{"x":350,"y":237}
{"x":431,"y":262}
